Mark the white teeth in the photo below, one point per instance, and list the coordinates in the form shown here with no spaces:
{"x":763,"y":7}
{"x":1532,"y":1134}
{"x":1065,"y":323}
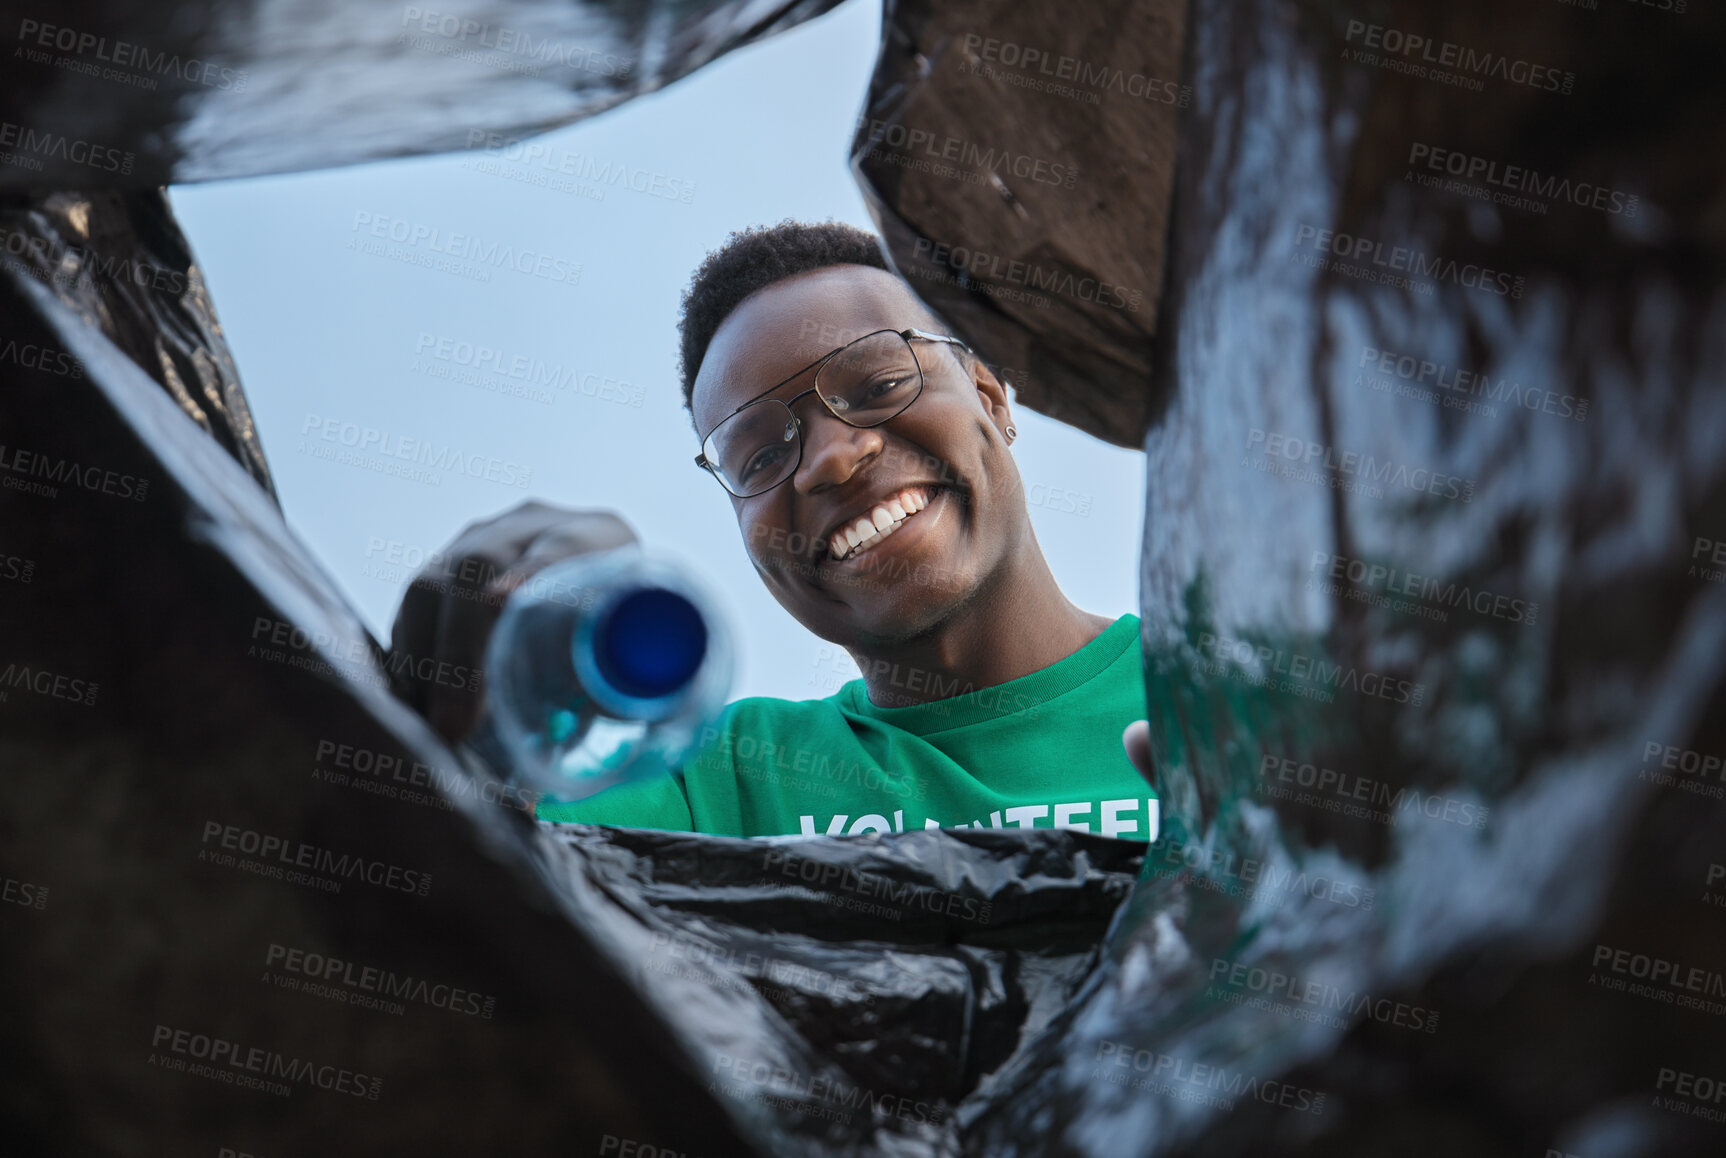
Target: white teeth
{"x":880,"y":522}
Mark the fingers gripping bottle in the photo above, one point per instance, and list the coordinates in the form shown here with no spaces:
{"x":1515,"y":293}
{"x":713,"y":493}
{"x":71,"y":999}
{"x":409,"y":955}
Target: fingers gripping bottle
{"x":603,"y":669}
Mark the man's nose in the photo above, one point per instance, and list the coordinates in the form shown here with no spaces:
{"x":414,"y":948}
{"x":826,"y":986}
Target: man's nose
{"x":833,"y":451}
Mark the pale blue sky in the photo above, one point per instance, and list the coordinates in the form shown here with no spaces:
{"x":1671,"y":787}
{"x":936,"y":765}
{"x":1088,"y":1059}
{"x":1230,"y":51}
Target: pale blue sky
{"x":329,"y":337}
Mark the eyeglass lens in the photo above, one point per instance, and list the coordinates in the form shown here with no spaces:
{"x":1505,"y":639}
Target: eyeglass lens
{"x":863,"y":384}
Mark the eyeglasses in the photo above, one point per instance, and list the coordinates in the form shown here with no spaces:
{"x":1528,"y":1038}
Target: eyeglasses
{"x":863,"y":384}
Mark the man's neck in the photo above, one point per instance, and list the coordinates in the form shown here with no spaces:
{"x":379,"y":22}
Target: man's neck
{"x":1024,"y":628}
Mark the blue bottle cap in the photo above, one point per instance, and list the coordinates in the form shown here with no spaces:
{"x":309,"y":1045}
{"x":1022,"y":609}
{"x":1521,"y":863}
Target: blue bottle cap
{"x":650,"y":643}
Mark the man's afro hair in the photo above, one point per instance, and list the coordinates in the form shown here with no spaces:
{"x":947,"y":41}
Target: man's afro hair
{"x":753,"y":258}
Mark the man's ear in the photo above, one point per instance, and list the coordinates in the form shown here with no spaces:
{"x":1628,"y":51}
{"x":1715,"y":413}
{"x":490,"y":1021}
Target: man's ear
{"x":992,"y":393}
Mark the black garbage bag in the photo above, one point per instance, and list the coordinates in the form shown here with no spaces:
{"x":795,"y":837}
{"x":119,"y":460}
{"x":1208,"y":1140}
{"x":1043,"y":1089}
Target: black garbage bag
{"x":118,"y":260}
{"x":849,"y":994}
{"x":1433,"y":586}
{"x":268,"y":911}
{"x":135,"y":96}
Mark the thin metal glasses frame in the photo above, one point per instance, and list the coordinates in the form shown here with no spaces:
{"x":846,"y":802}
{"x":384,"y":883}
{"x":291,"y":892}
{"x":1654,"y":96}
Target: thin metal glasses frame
{"x":701,"y":460}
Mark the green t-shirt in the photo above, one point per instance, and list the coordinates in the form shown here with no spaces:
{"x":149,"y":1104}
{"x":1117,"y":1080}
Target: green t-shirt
{"x":1040,"y":751}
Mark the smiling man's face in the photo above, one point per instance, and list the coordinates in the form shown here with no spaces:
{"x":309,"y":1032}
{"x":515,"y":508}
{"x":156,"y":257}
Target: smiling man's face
{"x":947,"y":450}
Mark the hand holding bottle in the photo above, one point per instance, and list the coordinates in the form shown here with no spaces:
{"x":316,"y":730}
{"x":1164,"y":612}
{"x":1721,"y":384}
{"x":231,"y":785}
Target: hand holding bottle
{"x":450,"y":609}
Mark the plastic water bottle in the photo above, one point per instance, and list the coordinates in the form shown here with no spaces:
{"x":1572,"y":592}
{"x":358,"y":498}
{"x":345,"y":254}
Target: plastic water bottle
{"x":602,"y":669}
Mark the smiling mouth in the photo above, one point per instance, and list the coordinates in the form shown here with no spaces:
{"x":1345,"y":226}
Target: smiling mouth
{"x":885,"y":517}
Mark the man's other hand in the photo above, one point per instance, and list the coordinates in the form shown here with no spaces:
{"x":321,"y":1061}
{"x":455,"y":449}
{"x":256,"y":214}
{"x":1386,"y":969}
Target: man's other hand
{"x":1137,"y":741}
{"x":452,"y":605}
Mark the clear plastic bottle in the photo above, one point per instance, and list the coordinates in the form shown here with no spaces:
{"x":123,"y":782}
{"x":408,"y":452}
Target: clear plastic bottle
{"x":602,"y":669}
